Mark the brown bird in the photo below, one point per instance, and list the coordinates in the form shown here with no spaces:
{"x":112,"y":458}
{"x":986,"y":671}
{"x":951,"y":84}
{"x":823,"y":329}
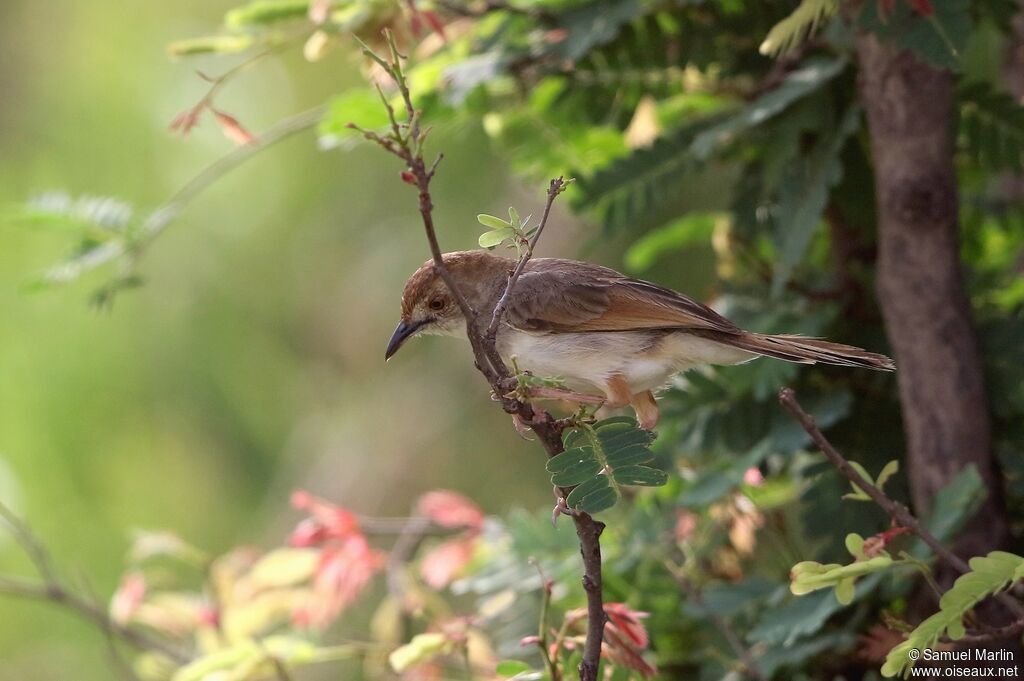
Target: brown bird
{"x":603,"y":333}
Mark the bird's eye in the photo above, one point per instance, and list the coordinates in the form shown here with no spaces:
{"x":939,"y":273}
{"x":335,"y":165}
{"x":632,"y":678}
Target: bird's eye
{"x":436,"y":304}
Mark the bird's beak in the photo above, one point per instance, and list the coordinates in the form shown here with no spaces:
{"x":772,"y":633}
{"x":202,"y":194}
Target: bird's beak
{"x":401,"y":334}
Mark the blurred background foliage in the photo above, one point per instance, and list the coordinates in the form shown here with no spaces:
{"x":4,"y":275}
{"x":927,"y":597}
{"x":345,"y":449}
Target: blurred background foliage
{"x":250,"y":361}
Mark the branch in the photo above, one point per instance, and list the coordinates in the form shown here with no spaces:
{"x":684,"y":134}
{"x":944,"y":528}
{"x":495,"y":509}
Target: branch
{"x":164,"y":214}
{"x":405,"y":140}
{"x":897,"y":511}
{"x":52,"y":589}
{"x":556,"y":187}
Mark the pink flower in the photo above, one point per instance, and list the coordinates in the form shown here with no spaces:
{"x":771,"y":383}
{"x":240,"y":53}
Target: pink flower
{"x":450,"y":509}
{"x":753,"y":477}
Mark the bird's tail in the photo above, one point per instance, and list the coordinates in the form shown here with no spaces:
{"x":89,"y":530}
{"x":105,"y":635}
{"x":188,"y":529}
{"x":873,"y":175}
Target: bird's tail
{"x":811,"y":351}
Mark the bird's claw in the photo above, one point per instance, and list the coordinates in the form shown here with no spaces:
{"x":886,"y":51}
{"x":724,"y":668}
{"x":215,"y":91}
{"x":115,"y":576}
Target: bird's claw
{"x":561,"y":508}
{"x":522,"y":427}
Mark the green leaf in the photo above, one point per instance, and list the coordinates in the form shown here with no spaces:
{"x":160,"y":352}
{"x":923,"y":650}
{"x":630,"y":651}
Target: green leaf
{"x":988,"y":575}
{"x":890,"y":469}
{"x":422,"y":648}
{"x":592,"y":492}
{"x":265,"y":12}
{"x":689,"y":229}
{"x":359,"y":106}
{"x":218,"y":44}
{"x":570,"y":458}
{"x":939,"y":39}
{"x":855,"y":545}
{"x":630,"y":188}
{"x":616,"y":445}
{"x":991,"y":127}
{"x":629,"y":455}
{"x":799,"y":617}
{"x":812,"y":75}
{"x":284,"y":567}
{"x":954,"y":505}
{"x":493,"y":222}
{"x":598,"y":501}
{"x":803,"y":197}
{"x":640,"y":475}
{"x":584,"y":470}
{"x":799,"y":25}
{"x":512,"y":667}
{"x":810,"y":575}
{"x":495,"y":237}
{"x":590,"y":25}
{"x":844,"y":591}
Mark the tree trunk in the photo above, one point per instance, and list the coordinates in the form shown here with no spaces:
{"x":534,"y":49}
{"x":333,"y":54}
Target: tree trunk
{"x":920,"y":284}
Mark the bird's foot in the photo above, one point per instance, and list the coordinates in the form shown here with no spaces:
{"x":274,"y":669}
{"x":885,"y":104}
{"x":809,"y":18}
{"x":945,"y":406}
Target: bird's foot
{"x":561,"y":508}
{"x":646,"y":409}
{"x":522,"y":426}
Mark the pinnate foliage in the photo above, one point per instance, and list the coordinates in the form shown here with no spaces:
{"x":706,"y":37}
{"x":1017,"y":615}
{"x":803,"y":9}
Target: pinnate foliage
{"x":803,"y":22}
{"x":991,"y":127}
{"x":989,"y":574}
{"x":602,"y":458}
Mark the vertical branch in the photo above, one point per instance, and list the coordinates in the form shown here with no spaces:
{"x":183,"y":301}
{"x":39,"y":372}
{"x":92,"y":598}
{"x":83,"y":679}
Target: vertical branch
{"x":920,"y":284}
{"x":405,"y":140}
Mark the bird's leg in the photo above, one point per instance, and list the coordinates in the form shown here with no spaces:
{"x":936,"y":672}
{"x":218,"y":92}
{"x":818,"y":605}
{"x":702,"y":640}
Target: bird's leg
{"x":646,"y":408}
{"x":618,"y":392}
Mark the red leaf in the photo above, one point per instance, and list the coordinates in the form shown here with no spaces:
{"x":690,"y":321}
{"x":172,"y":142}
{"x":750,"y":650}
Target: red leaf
{"x":628,"y":622}
{"x":450,"y":509}
{"x":625,"y":638}
{"x":444,"y":562}
{"x":435,"y":23}
{"x":232,"y":129}
{"x":342,"y":574}
{"x":327,"y":521}
{"x":620,"y":653}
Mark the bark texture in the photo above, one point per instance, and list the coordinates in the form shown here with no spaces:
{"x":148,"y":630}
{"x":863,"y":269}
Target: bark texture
{"x":920,"y":284}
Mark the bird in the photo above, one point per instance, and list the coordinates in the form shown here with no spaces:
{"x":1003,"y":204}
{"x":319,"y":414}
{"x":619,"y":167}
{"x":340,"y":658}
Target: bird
{"x":604,"y":334}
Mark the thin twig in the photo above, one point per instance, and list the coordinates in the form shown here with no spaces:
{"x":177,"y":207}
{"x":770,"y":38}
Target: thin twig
{"x":56,"y":593}
{"x":406,"y":142}
{"x":164,"y":214}
{"x":897,"y":511}
{"x":52,"y":589}
{"x":1012,"y":630}
{"x":556,"y":187}
{"x":405,"y":545}
{"x":542,"y":627}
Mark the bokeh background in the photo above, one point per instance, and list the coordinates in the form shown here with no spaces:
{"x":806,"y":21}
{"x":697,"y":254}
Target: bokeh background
{"x":251,"y":362}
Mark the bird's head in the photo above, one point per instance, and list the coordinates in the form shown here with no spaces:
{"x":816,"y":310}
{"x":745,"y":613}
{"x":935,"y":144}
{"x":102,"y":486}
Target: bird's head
{"x":429,"y":308}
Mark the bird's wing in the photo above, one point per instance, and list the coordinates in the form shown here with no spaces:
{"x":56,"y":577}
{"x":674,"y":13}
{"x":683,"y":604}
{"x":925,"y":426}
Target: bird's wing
{"x":563,"y":296}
